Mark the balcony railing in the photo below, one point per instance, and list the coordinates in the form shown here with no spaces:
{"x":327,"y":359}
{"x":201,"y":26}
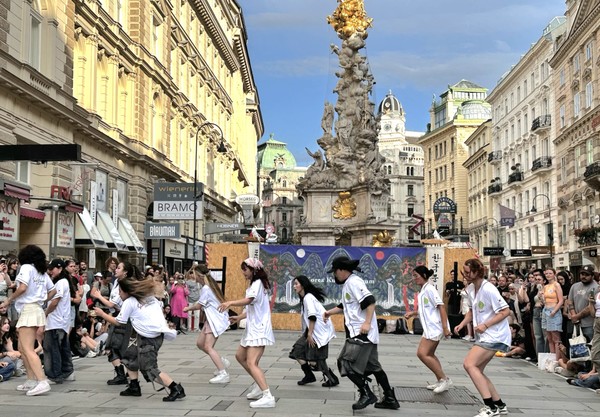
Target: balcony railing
{"x":587,"y":236}
{"x":495,"y":156}
{"x":542,"y":162}
{"x":592,"y":175}
{"x":541,"y":122}
{"x":494,"y":188}
{"x":515,"y":177}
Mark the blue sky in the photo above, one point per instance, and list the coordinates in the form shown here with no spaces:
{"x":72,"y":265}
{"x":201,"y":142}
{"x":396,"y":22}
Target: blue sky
{"x":415,"y":48}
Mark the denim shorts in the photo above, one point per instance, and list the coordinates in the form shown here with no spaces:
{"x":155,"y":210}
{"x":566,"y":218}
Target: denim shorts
{"x":496,"y":346}
{"x":551,"y":324}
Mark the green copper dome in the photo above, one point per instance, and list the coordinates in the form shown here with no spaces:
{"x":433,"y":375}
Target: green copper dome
{"x":274,"y":154}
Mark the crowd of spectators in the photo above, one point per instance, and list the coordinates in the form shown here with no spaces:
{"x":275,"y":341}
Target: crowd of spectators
{"x":545,"y":307}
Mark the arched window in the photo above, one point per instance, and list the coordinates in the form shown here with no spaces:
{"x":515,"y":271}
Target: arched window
{"x":33,"y":31}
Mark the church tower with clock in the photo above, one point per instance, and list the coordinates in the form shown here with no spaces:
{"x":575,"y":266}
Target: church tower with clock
{"x":403,"y":166}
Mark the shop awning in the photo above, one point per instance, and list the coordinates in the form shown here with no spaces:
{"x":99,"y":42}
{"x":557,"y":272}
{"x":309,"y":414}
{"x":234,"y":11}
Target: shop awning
{"x":86,"y":232}
{"x":16,"y":191}
{"x":32,"y":213}
{"x":109,"y":231}
{"x":130,"y":237}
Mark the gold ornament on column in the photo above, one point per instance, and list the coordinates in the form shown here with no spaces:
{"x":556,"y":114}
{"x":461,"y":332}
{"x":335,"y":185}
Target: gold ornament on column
{"x":350,"y":18}
{"x":382,"y":239}
{"x":345,"y":206}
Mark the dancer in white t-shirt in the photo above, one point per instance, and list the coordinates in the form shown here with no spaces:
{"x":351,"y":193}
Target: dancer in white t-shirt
{"x":216,"y":323}
{"x":489,"y":313}
{"x":312,"y":348}
{"x":258,"y":332}
{"x":434,"y":320}
{"x":34,"y":288}
{"x":144,"y":311}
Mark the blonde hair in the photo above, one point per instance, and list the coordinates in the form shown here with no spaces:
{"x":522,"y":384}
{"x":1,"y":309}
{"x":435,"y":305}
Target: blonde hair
{"x":202,"y":271}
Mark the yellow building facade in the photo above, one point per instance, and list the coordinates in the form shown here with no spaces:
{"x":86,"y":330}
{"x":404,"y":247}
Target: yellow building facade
{"x":152,"y":91}
{"x":454,"y":118}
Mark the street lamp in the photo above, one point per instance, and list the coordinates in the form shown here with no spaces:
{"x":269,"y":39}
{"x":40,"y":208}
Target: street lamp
{"x":550,"y":224}
{"x":197,"y":195}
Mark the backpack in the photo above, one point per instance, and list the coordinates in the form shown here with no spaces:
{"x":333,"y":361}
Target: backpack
{"x":401,"y":326}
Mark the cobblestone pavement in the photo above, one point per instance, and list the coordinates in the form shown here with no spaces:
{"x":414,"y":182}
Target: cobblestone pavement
{"x":527,"y":390}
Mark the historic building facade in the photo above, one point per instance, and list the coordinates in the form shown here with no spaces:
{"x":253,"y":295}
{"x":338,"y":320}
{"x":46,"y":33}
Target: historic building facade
{"x":460,"y":111}
{"x":576,"y":68}
{"x":281,"y":209}
{"x":403,"y":166}
{"x":484,"y":228}
{"x":522,"y":153}
{"x":152,"y":91}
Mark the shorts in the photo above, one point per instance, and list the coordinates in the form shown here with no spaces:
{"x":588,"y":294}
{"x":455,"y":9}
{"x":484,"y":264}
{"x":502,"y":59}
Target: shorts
{"x":551,"y":324}
{"x":358,"y":357}
{"x":495,"y":347}
{"x":118,"y":340}
{"x":206,"y":329}
{"x":32,"y":315}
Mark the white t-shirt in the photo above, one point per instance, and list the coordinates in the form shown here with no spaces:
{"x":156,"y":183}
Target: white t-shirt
{"x":115,"y":297}
{"x":258,"y":314}
{"x":60,"y":318}
{"x":597,"y":305}
{"x":429,"y":313}
{"x":353,"y":293}
{"x":38,"y":287}
{"x":323,"y":332}
{"x":218,"y":322}
{"x":146,"y":318}
{"x":485,"y":304}
{"x":83,"y":305}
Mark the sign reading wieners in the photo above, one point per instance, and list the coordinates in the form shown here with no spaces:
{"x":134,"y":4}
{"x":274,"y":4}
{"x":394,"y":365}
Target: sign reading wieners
{"x":176,"y":201}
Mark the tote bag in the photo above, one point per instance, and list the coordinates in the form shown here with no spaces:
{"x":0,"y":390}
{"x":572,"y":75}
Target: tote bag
{"x":578,"y":350}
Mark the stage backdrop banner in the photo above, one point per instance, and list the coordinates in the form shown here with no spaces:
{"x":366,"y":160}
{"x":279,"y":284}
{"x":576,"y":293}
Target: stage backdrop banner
{"x":387,"y":273}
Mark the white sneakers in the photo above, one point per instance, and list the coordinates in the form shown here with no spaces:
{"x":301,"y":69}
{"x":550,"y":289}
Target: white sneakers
{"x":267,"y":401}
{"x":468,"y":338}
{"x":30,"y":383}
{"x":71,"y":377}
{"x":255,"y":392}
{"x":41,"y":388}
{"x":221,"y":378}
{"x":226,"y":364}
{"x":433,"y":386}
{"x":487,"y":412}
{"x":443,"y":385}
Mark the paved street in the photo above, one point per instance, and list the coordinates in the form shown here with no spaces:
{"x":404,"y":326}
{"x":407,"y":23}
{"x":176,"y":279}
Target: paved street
{"x":525,"y":389}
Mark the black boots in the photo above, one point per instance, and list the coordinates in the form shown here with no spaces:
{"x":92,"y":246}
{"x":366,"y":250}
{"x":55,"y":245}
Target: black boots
{"x":366,"y":398}
{"x":308,"y":375}
{"x":133,"y":389}
{"x":176,"y":392}
{"x":330,"y":379}
{"x":388,"y":401}
{"x":120,"y":378}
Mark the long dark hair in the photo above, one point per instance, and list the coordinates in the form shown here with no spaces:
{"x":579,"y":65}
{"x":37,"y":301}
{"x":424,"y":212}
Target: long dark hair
{"x":258,"y":273}
{"x":65,"y":274}
{"x":34,"y":255}
{"x":132,"y":271}
{"x":310,"y":288}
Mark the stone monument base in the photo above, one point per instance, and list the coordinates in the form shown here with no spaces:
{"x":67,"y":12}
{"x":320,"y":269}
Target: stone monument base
{"x":343,"y":217}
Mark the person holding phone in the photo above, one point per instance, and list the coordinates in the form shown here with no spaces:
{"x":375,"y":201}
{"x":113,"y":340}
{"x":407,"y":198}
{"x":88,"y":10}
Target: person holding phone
{"x":179,"y":294}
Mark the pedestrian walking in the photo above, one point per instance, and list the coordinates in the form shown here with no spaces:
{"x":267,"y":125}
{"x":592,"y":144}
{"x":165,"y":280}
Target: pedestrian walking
{"x":34,"y":288}
{"x":358,"y":358}
{"x":489,"y":313}
{"x":311,"y":350}
{"x":258,"y":332}
{"x":144,"y":311}
{"x":436,"y":327}
{"x":210,"y":297}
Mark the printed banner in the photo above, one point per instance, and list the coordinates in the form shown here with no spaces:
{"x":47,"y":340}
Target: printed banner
{"x":387,"y":273}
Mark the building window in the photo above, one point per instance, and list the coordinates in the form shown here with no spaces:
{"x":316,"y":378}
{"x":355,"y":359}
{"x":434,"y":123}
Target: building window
{"x":577,"y":157}
{"x":562,"y":116}
{"x":411,"y":210}
{"x":588,"y":51}
{"x":22,"y":174}
{"x":35,"y":40}
{"x":576,"y":104}
{"x":589,"y":95}
{"x":410,"y":190}
{"x":561,"y":77}
{"x":284,"y":216}
{"x":284,"y":184}
{"x":589,"y":144}
{"x":576,"y":66}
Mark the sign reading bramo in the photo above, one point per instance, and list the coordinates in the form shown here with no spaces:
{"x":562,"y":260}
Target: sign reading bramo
{"x":176,"y":201}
